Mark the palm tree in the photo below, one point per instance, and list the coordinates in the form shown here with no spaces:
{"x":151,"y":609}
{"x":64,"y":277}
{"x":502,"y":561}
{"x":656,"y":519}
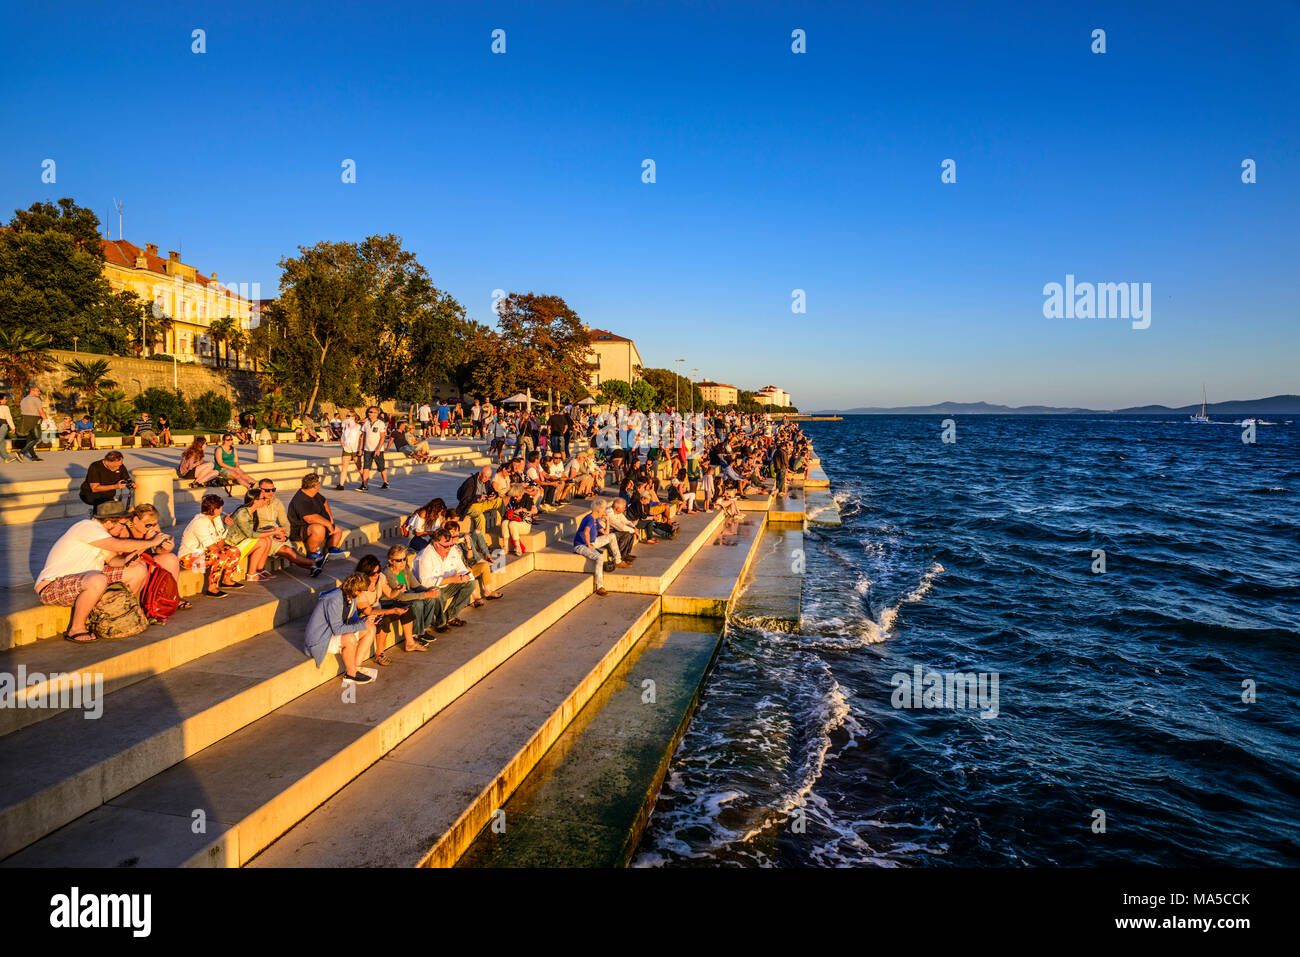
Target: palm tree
{"x":89,"y":378}
{"x":238,"y":340}
{"x":23,"y":356}
{"x":115,"y":413}
{"x":220,"y":332}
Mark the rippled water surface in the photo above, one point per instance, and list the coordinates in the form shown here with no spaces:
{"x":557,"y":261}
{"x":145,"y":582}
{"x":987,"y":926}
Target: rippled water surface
{"x":1119,"y":692}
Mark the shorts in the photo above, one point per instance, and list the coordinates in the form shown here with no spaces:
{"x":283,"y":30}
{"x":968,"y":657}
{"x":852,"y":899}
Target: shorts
{"x":64,"y":591}
{"x":371,"y":460}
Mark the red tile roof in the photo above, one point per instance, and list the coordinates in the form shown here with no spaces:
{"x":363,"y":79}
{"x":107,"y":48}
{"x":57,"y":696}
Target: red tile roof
{"x":606,"y":336}
{"x":123,"y":252}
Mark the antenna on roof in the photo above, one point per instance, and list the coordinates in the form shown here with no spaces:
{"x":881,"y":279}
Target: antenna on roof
{"x":120,"y":206}
{"x":108,"y":221}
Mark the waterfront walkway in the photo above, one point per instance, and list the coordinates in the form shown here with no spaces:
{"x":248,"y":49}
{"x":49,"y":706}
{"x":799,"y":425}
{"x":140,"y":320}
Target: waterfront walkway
{"x":218,"y":719}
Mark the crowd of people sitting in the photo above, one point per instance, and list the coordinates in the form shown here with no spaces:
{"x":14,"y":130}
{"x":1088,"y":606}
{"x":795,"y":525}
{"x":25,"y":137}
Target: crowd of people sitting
{"x":634,"y":493}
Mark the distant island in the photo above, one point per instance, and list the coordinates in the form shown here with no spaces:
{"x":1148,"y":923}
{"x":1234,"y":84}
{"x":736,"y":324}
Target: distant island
{"x":1274,"y":405}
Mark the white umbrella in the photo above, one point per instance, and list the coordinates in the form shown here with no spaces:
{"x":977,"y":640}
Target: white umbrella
{"x":518,"y":397}
{"x":587,"y":401}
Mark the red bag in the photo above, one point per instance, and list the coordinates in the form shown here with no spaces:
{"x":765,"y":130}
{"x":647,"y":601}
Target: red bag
{"x":160,"y":597}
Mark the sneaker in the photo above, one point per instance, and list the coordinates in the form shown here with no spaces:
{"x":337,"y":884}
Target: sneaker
{"x":601,"y":592}
{"x":37,"y":458}
{"x":316,"y":556}
{"x":315,"y":570}
{"x":385,"y":485}
{"x":360,"y":678}
{"x":363,"y":488}
{"x":338,"y":553}
{"x":338,"y":488}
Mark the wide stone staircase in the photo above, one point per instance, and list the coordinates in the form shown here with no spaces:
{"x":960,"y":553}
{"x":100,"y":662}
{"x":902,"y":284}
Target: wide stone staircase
{"x":216,"y":739}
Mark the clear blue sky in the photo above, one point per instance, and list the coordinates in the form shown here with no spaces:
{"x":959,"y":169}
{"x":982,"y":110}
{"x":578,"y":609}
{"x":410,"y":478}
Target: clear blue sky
{"x":775,"y":171}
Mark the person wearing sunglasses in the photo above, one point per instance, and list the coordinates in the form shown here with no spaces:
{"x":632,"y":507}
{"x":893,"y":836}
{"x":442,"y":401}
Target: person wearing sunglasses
{"x":271,"y":518}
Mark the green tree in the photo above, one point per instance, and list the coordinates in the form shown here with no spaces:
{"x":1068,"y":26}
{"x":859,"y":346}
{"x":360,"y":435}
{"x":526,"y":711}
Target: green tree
{"x":323,"y":309}
{"x":211,"y":411}
{"x":89,"y":379}
{"x":643,"y":396}
{"x":615,"y":392}
{"x":545,"y":342}
{"x":114,"y":414}
{"x":23,"y":356}
{"x":169,"y":402}
{"x":52,"y":280}
{"x":670,"y":387}
{"x":220,"y":331}
{"x":273,"y":411}
{"x":486,"y":368}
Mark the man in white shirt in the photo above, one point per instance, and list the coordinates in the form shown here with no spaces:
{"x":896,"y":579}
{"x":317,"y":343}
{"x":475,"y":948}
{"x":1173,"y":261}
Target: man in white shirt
{"x":425,"y":416}
{"x":374,"y":436}
{"x":75,"y":573}
{"x":6,"y":429}
{"x":441,"y":566}
{"x":624,"y":529}
{"x":476,"y":417}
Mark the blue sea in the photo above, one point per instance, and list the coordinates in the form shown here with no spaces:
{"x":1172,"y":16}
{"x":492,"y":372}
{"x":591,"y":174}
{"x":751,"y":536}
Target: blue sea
{"x":1121,"y":736}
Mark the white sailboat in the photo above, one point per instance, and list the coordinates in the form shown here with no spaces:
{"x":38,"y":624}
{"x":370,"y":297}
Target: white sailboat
{"x":1202,"y":417}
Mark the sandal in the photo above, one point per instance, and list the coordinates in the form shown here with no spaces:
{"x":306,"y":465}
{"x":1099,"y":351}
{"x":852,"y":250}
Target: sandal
{"x":476,"y":603}
{"x":418,"y":646}
{"x":184,"y":604}
{"x":383,"y":659}
{"x":80,"y":637}
{"x":495,"y":594}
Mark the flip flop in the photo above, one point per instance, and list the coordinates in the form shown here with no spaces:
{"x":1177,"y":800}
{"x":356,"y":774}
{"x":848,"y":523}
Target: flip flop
{"x":76,"y":637}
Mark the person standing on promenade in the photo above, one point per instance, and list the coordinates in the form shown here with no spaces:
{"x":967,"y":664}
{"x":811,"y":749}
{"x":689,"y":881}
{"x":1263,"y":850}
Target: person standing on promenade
{"x":6,"y":429}
{"x":781,"y":465}
{"x":29,"y":425}
{"x":476,"y":419}
{"x":350,"y":443}
{"x":374,"y":436}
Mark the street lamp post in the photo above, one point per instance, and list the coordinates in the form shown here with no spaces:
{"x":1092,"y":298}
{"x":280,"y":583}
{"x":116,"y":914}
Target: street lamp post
{"x":677,"y":385}
{"x":693,"y":372}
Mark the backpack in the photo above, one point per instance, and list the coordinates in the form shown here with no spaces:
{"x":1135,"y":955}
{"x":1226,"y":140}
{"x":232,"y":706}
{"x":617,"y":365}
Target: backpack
{"x":117,"y":614}
{"x":160,"y":597}
{"x":663,"y":530}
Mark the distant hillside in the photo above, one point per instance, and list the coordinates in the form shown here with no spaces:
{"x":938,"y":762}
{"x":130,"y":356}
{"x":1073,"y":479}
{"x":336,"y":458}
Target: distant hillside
{"x":1276,"y":404}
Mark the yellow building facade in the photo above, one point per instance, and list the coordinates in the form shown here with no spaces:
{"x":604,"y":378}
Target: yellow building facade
{"x":718,"y":393}
{"x":180,"y":291}
{"x":612,"y":357}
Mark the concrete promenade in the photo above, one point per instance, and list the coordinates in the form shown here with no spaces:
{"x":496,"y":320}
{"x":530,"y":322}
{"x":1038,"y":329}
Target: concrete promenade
{"x":219,"y":716}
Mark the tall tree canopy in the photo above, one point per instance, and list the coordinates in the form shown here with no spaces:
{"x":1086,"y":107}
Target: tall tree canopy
{"x":545,"y":344}
{"x":52,"y":281}
{"x":362,"y":319}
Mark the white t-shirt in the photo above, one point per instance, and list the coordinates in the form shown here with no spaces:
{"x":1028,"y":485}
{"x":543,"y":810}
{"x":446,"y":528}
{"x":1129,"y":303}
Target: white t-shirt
{"x":425,"y":413}
{"x":351,"y":436}
{"x":431,"y":568}
{"x":202,"y":531}
{"x":476,"y":413}
{"x":73,"y":554}
{"x":373,"y":434}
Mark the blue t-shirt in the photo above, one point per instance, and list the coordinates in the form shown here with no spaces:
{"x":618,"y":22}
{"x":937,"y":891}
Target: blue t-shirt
{"x":444,"y":413}
{"x":588,"y":524}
